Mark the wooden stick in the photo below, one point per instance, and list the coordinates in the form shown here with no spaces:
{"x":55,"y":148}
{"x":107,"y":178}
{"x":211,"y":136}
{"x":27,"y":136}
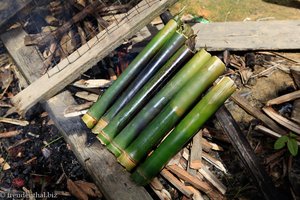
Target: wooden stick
{"x":94,"y":83}
{"x":14,"y":121}
{"x":238,"y":99}
{"x":184,"y":175}
{"x":270,"y":132}
{"x":10,"y":134}
{"x":196,"y":152}
{"x":213,"y":179}
{"x":174,"y":181}
{"x":18,"y":143}
{"x":246,"y":154}
{"x":284,"y":98}
{"x":215,"y":162}
{"x":282,"y":120}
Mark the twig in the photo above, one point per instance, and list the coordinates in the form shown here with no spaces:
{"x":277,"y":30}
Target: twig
{"x":282,"y":120}
{"x":284,"y":98}
{"x":14,"y":121}
{"x":18,"y":143}
{"x":239,"y":100}
{"x":10,"y":134}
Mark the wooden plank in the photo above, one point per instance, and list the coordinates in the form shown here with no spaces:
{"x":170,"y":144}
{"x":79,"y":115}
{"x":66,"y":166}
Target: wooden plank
{"x":174,"y":181}
{"x":19,"y":51}
{"x":9,"y":8}
{"x":250,"y":35}
{"x":196,"y":152}
{"x":246,"y":154}
{"x":56,"y":80}
{"x":110,"y":177}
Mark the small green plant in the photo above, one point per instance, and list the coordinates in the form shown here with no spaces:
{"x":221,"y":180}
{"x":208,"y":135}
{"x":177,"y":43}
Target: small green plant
{"x":291,"y":142}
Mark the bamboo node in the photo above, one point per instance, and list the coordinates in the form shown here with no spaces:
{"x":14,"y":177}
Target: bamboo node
{"x":103,"y":138}
{"x":89,"y":120}
{"x":127,"y":161}
{"x":114,"y":148}
{"x":102,"y":123}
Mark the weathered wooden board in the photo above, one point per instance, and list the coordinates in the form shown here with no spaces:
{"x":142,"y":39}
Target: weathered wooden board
{"x":246,"y":154}
{"x":113,"y":180}
{"x":249,"y":35}
{"x":19,"y":53}
{"x":9,"y":8}
{"x":51,"y":83}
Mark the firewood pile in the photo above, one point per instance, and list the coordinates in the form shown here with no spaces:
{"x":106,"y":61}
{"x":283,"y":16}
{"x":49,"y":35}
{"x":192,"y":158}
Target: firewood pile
{"x":58,"y":28}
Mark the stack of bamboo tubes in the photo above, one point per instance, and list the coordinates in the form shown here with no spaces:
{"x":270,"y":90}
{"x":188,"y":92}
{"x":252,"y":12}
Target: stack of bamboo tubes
{"x":159,"y":102}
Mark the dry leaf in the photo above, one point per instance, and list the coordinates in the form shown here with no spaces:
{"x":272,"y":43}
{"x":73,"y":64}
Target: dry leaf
{"x":89,"y":188}
{"x":76,"y":191}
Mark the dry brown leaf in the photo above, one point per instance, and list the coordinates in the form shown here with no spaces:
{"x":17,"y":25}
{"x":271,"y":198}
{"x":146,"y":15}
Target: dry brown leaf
{"x":76,"y":191}
{"x":89,"y":188}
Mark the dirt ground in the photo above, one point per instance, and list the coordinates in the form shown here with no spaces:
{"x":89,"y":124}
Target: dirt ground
{"x":239,"y":10}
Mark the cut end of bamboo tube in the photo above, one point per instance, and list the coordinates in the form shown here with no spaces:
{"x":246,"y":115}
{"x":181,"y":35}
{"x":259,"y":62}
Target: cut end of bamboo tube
{"x":103,"y":138}
{"x":102,"y":123}
{"x":89,"y":120}
{"x":139,"y":178}
{"x":114,"y":148}
{"x":126,"y":161}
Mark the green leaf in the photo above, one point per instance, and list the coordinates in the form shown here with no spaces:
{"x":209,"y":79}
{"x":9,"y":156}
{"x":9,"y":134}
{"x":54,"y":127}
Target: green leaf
{"x":280,"y":142}
{"x":292,"y":135}
{"x":292,"y":146}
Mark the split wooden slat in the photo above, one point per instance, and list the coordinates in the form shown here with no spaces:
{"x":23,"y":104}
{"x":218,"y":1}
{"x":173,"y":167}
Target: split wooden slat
{"x":174,"y":181}
{"x":196,"y":152}
{"x":184,"y":175}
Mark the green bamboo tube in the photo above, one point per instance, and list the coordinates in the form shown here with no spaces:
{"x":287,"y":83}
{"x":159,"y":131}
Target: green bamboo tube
{"x":154,"y":106}
{"x":184,"y":131}
{"x":164,"y":54}
{"x":102,"y":104}
{"x":150,"y":88}
{"x":171,"y":114}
